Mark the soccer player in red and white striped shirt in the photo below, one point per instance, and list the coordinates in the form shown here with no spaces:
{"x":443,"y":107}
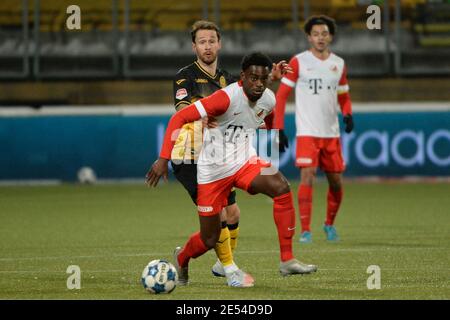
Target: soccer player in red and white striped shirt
{"x":228,"y":159}
{"x":319,"y":79}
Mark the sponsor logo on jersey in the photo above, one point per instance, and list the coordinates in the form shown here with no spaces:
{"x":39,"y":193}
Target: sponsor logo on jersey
{"x":201,"y":80}
{"x":315,"y":84}
{"x":181,"y":93}
{"x":204,"y":209}
{"x":304,"y":160}
{"x":222,"y":82}
{"x":180,"y":81}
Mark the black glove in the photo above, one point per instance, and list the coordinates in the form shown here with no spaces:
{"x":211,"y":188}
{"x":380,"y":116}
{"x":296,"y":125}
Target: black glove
{"x":348,"y":120}
{"x":283,"y":141}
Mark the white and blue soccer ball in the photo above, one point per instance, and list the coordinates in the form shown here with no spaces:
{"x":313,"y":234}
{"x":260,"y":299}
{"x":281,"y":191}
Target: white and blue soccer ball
{"x":159,"y":276}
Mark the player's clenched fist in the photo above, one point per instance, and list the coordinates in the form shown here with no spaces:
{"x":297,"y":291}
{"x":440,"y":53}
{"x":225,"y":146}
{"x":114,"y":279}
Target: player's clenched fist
{"x":159,"y":169}
{"x":348,"y":120}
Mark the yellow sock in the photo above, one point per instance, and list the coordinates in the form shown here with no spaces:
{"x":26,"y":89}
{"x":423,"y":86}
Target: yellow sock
{"x":234,"y":233}
{"x":223,"y":248}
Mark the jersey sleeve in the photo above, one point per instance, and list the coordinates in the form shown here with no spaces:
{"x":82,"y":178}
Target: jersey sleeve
{"x":284,"y":90}
{"x":182,"y":89}
{"x":214,"y":105}
{"x":270,"y":101}
{"x":188,"y":114}
{"x":343,"y":93}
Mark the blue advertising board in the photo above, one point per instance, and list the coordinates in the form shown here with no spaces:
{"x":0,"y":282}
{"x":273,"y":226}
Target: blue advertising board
{"x":393,"y":144}
{"x":386,"y":144}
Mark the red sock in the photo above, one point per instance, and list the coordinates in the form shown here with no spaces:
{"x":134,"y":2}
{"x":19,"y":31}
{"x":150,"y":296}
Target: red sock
{"x":305,"y":194}
{"x":284,"y":216}
{"x":192,"y":249}
{"x":334,"y":199}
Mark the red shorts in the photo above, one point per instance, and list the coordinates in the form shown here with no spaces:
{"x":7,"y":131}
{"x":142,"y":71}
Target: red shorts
{"x":212,"y":197}
{"x":325,"y":153}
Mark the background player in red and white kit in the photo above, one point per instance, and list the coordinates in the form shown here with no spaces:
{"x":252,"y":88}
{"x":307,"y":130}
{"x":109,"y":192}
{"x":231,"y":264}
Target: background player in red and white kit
{"x":321,"y":89}
{"x":228,"y":160}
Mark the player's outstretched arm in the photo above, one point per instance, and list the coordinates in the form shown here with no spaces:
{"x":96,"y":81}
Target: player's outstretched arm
{"x":160,"y":168}
{"x":214,"y":105}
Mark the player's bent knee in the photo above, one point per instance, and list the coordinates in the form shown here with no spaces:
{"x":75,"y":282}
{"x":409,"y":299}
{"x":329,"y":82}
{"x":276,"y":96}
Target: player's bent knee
{"x":284,"y":189}
{"x":335,"y":183}
{"x":281,"y":188}
{"x":233,"y":213}
{"x":335,"y":187}
{"x":211,"y":240}
{"x":308,"y":178}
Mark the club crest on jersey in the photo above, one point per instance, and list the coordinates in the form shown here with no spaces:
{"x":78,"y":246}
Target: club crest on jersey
{"x":261,"y":113}
{"x":222,"y":82}
{"x":334,"y":68}
{"x":181,"y":93}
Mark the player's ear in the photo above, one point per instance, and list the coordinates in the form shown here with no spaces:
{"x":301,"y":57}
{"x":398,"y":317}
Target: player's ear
{"x":242,"y":75}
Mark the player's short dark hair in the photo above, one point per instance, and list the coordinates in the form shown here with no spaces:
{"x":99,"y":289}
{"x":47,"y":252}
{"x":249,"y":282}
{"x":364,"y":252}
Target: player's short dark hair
{"x":204,"y":25}
{"x":322,"y":19}
{"x":256,"y":59}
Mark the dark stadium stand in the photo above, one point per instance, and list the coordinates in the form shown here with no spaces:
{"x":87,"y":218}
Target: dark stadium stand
{"x":157,"y":43}
{"x":179,"y":15}
{"x":432,"y":25}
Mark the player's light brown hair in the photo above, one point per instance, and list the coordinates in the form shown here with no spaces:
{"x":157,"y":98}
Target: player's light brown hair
{"x":322,"y":19}
{"x":204,"y":25}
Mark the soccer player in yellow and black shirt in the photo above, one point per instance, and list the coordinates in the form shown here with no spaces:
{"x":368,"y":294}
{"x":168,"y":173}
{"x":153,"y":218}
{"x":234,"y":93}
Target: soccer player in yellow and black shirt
{"x":193,"y":82}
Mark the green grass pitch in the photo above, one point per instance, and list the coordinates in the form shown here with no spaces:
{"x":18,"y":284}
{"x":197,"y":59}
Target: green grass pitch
{"x":112,"y":231}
